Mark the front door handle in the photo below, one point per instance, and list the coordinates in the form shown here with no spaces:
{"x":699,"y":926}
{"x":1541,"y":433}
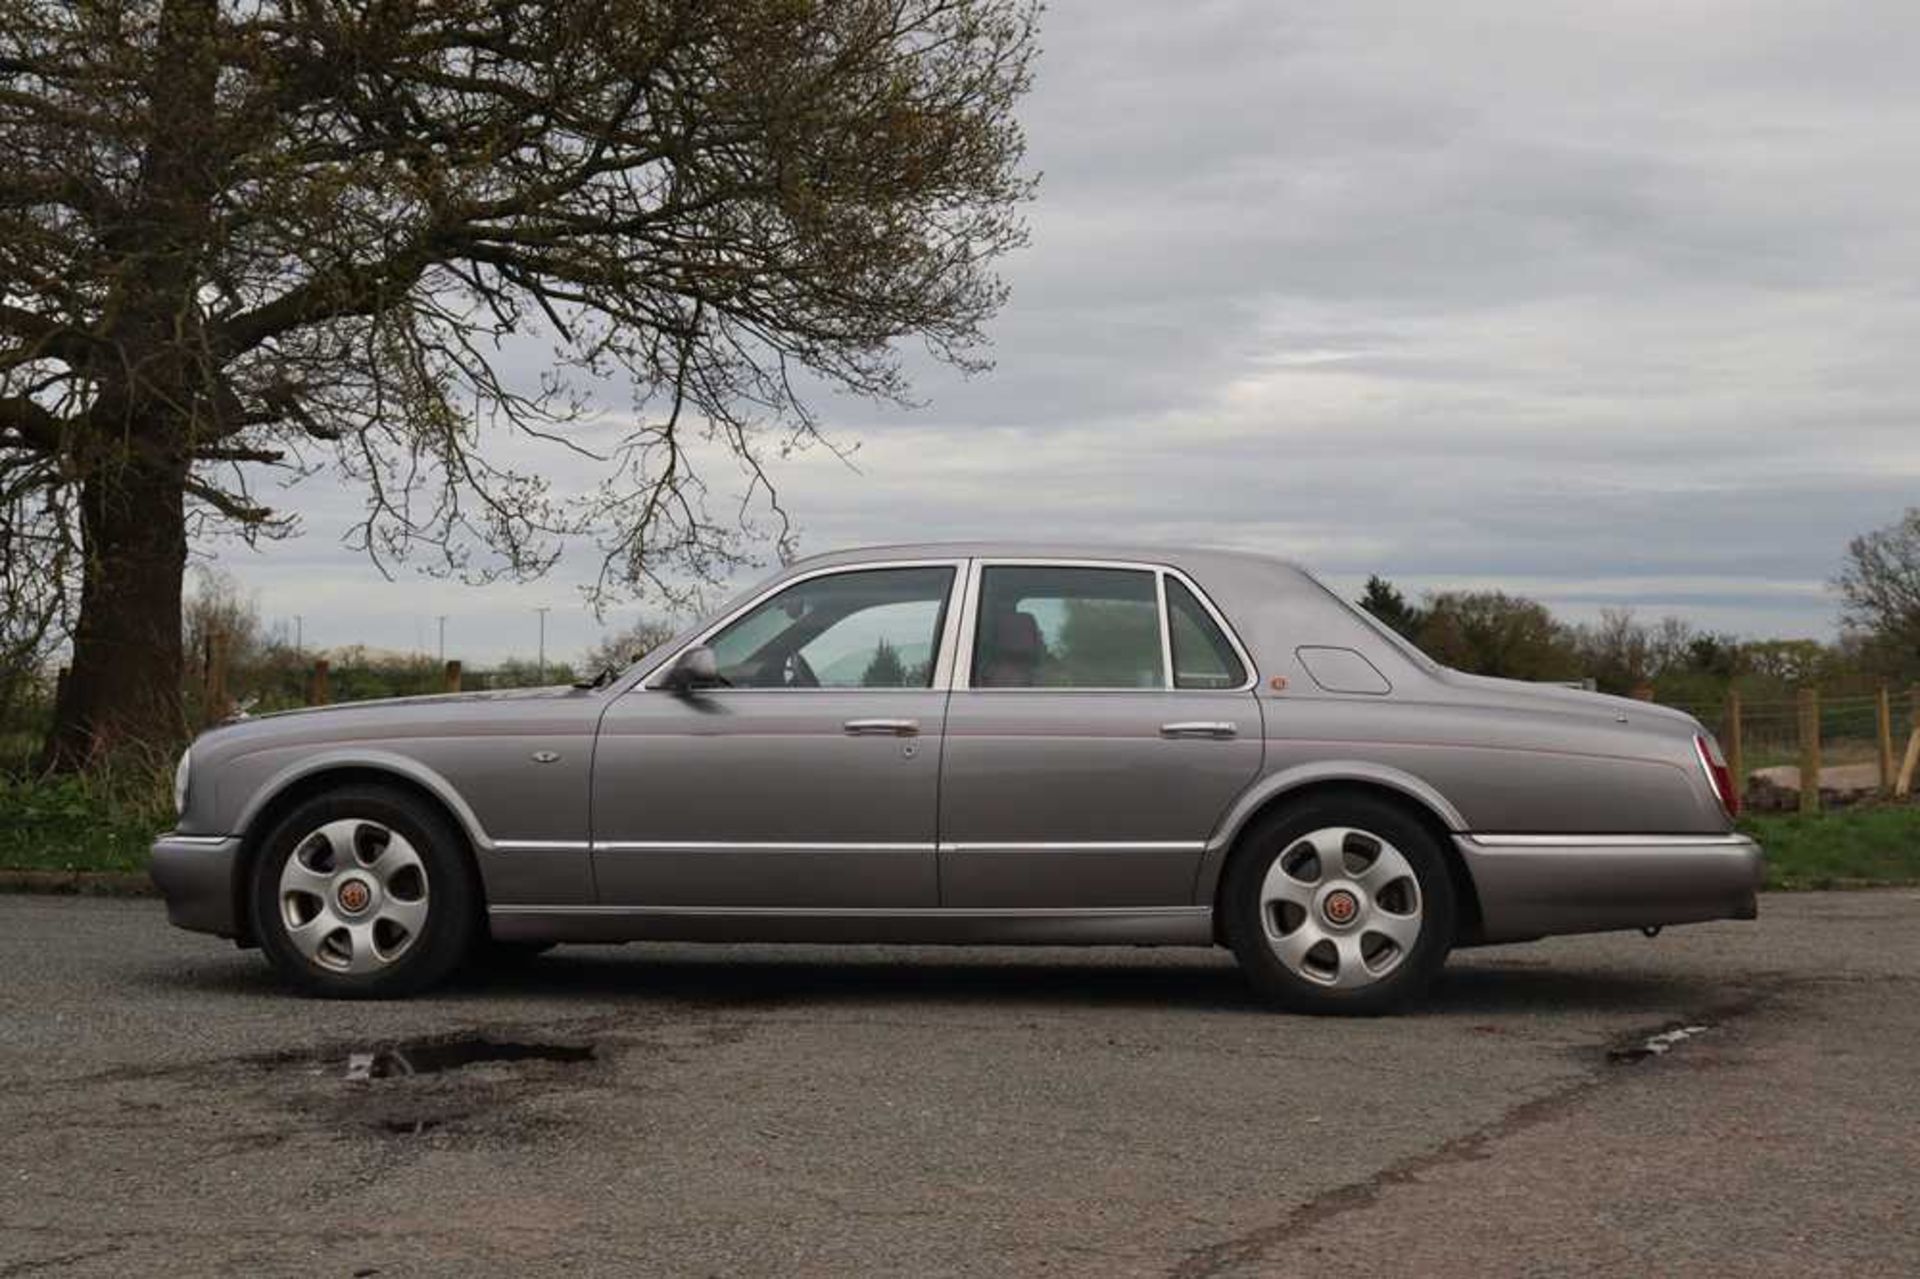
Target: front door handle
{"x":1217,"y":730}
{"x":882,"y":727}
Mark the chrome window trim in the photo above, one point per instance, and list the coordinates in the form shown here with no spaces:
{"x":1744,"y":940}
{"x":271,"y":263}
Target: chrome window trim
{"x":1166,"y":629}
{"x":942,"y":663}
{"x":963,"y":670}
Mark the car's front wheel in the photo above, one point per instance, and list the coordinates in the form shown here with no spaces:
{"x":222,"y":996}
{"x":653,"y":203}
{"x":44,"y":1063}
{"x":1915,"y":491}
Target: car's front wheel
{"x":1342,"y":904}
{"x":363,"y":892}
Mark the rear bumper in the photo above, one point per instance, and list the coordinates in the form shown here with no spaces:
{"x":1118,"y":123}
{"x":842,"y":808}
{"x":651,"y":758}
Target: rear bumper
{"x":195,"y":875}
{"x":1539,"y":885}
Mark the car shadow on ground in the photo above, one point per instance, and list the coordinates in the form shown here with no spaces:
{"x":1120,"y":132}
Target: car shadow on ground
{"x":1194,"y":981}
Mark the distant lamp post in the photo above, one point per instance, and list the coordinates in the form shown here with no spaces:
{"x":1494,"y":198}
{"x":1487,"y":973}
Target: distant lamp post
{"x":541,"y":676}
{"x":443,"y":639}
{"x":299,"y":635}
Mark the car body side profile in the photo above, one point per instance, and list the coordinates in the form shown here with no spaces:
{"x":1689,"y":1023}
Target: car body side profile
{"x":971,"y":743}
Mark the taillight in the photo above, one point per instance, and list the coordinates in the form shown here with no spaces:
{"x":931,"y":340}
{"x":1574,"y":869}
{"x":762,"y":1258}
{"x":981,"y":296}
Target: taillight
{"x":1715,"y":765}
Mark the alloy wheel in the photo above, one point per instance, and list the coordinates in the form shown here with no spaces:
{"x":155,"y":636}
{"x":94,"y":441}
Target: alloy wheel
{"x":353,"y":896}
{"x":1341,"y":907}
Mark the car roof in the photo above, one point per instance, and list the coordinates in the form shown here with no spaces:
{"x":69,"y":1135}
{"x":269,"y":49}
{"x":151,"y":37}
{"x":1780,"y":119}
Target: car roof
{"x":1177,"y":556}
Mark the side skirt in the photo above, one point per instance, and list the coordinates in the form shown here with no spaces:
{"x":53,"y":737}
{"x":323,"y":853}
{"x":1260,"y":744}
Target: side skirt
{"x":1144,"y":926}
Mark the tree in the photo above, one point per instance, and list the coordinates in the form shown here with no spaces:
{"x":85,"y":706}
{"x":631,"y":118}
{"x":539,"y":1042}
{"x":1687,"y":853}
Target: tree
{"x":620,"y":649}
{"x":886,"y":670}
{"x":1879,"y":586}
{"x":1384,"y":600}
{"x":1493,"y":633}
{"x":235,"y":237}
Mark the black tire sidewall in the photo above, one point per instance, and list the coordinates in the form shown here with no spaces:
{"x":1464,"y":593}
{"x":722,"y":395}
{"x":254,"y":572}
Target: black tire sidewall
{"x":1273,"y":835}
{"x":451,"y":894}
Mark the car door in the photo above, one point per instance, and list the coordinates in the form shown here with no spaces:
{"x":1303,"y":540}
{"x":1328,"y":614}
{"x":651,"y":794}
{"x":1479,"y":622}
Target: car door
{"x":1101,"y":723}
{"x":812,"y":782}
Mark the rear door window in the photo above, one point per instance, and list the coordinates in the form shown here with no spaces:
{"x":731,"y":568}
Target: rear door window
{"x":1203,"y":657}
{"x":1068,"y":627}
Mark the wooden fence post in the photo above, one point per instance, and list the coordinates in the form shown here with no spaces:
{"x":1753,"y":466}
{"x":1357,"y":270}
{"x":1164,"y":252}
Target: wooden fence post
{"x":1883,"y":727}
{"x":453,"y":676}
{"x":1736,"y":752}
{"x":1903,"y":785}
{"x":318,"y":693}
{"x":1809,"y":751}
{"x":216,"y":709}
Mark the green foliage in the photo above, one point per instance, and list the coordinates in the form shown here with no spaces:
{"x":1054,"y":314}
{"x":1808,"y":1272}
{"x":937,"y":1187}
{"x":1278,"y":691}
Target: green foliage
{"x":1879,"y":587}
{"x":1493,"y":633}
{"x":301,"y":236}
{"x":1876,"y":844}
{"x":886,"y":670}
{"x":103,"y":820}
{"x":1102,"y":642}
{"x":1384,"y":600}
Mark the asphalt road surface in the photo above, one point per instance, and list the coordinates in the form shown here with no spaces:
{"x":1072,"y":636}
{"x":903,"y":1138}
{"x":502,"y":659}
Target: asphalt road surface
{"x":813,"y":1111}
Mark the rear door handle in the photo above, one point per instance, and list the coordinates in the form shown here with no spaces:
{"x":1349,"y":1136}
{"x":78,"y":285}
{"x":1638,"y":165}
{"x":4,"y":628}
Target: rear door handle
{"x":882,"y":727}
{"x":1217,"y":729}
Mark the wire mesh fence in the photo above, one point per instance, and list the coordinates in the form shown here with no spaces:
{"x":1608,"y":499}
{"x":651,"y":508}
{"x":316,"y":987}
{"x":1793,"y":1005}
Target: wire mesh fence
{"x":1812,"y":749}
{"x":1849,"y":728}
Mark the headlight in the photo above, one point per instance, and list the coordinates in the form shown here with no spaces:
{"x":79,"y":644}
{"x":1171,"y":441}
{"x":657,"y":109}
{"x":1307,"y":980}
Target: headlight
{"x":180,"y":783}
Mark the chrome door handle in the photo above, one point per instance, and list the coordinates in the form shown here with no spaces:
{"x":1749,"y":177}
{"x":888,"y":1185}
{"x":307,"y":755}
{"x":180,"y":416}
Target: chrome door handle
{"x":1208,"y":728}
{"x":882,"y":727}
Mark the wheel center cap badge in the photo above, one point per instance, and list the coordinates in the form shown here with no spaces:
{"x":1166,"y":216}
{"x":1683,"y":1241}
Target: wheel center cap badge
{"x":1341,"y":907}
{"x":354,"y":896}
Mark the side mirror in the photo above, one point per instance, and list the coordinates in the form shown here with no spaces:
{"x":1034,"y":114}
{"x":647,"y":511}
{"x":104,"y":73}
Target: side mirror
{"x":693,"y":670}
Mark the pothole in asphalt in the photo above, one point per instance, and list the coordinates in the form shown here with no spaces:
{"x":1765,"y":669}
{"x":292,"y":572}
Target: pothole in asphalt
{"x":1655,"y":1045}
{"x":434,"y":1056}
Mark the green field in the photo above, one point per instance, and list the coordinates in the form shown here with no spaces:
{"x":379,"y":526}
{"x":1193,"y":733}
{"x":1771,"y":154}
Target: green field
{"x":105,"y":824}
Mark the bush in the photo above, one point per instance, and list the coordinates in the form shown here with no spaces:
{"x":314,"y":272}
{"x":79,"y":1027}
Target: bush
{"x":97,"y":821}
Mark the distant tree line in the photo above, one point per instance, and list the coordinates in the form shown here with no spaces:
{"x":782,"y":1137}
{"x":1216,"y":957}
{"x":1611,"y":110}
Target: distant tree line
{"x":1498,"y":633}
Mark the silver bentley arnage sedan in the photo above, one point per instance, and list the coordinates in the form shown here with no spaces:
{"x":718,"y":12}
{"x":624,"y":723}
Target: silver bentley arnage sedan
{"x":973,"y":743}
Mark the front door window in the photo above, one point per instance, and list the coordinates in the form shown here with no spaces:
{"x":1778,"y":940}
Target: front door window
{"x":872,"y":628}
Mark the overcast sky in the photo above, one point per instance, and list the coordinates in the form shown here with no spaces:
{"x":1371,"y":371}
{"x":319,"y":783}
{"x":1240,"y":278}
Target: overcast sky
{"x":1612,"y":305}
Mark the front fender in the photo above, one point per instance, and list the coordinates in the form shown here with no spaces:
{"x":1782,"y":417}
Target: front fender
{"x":363,"y":759}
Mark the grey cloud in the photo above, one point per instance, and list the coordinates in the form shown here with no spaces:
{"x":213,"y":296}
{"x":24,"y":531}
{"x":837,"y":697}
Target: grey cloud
{"x":1615,"y":303}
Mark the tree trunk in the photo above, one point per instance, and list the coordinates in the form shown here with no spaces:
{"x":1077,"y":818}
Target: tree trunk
{"x":123,"y":689}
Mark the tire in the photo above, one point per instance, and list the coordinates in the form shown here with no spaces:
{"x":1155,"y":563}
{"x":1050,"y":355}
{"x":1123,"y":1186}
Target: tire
{"x":409,"y":922}
{"x":1368,"y":937}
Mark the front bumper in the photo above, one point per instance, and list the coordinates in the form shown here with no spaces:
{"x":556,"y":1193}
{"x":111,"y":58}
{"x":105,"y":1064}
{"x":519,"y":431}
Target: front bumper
{"x":195,"y":874}
{"x":1540,"y":885}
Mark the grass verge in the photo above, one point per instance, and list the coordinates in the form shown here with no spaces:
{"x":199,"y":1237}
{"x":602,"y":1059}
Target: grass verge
{"x":103,"y":822}
{"x":1851,"y":847}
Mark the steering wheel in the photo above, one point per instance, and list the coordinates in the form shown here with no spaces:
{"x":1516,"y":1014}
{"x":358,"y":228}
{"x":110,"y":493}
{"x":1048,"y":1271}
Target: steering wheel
{"x":799,"y":674}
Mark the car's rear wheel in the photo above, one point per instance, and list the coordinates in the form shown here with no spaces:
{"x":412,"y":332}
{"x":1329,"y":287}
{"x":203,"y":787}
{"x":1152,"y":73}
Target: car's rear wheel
{"x":363,"y":892}
{"x":1341,"y":904}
